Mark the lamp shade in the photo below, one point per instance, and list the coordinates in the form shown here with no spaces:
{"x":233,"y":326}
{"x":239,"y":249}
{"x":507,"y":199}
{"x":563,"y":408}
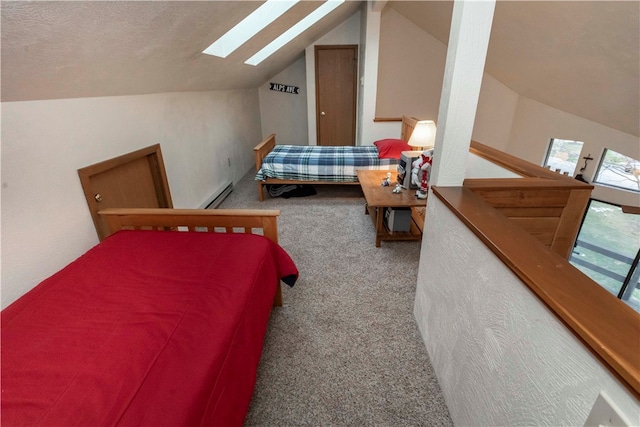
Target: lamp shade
{"x":424,"y":135}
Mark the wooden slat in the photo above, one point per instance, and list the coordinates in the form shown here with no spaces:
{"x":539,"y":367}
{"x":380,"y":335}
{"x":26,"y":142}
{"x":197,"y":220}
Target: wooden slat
{"x":606,"y":325}
{"x":525,"y":198}
{"x":265,"y":220}
{"x":170,"y":219}
{"x":262,"y":149}
{"x":569,"y":224}
{"x":527,"y":183}
{"x":543,"y":229}
{"x":387,"y":119}
{"x":531,"y":212}
{"x":408,"y":125}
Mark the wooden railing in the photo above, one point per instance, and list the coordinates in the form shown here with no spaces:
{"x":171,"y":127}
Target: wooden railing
{"x":605,"y":324}
{"x":531,"y":223}
{"x":548,"y":205}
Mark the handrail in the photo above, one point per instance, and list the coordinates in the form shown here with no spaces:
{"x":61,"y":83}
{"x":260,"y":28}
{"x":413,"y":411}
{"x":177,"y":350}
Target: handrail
{"x":606,"y":325}
{"x":549,"y":204}
{"x":515,"y":164}
{"x":387,"y":119}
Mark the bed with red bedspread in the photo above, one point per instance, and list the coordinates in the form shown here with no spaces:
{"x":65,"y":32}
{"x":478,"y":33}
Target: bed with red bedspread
{"x":146,"y":328}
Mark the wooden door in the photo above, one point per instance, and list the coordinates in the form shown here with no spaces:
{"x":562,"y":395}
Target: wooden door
{"x":336,"y":94}
{"x":133,"y":180}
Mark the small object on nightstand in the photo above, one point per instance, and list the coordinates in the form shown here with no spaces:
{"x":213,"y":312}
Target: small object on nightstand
{"x":397,"y":189}
{"x":421,"y":194}
{"x":387,"y":180}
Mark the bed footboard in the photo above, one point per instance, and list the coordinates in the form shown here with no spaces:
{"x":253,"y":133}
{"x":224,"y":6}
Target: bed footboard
{"x":251,"y":221}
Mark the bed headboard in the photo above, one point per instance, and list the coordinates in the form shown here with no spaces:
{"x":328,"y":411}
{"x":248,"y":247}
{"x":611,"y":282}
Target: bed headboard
{"x":408,"y":125}
{"x":134,"y":180}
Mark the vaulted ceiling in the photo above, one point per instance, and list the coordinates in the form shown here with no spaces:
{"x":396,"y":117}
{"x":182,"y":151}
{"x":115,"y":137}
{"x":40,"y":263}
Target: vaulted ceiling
{"x":578,"y":56}
{"x":69,"y":49}
{"x":582,"y":57}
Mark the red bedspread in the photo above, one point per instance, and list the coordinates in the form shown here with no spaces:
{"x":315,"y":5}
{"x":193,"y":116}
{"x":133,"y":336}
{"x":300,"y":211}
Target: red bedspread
{"x":147,"y":328}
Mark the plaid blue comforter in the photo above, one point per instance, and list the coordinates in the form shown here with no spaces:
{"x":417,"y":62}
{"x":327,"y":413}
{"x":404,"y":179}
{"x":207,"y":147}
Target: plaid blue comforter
{"x":314,"y":163}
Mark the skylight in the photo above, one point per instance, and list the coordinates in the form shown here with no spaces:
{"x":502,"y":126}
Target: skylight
{"x":249,"y":27}
{"x":294,"y":31}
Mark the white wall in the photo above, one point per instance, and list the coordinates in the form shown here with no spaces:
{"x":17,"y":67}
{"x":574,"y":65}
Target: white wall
{"x":477,"y":167}
{"x":411,"y":61}
{"x":45,"y":218}
{"x":501,"y":357}
{"x":410,"y":69}
{"x":496,"y":110}
{"x":411,"y":72}
{"x":283,"y":113}
{"x":373,"y":131}
{"x":535,"y":124}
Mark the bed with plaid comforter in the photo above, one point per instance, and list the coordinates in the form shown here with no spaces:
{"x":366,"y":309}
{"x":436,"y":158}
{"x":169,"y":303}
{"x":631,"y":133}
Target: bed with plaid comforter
{"x":321,"y":163}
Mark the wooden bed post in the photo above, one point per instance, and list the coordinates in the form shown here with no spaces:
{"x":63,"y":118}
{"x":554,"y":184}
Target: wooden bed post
{"x":261,"y":150}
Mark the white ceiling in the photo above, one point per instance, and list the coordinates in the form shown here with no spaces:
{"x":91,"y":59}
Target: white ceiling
{"x":578,"y":56}
{"x":582,"y":57}
{"x":69,"y":49}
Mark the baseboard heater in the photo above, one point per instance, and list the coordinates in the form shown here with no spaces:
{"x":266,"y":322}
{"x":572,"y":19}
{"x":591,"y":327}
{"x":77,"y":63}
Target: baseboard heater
{"x":218,"y":197}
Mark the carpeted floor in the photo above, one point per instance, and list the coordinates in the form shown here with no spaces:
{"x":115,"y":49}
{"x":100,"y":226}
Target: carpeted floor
{"x":344,"y":350}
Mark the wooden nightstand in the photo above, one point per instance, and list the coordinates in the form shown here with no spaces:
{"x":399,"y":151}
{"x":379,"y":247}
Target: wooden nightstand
{"x":380,"y":198}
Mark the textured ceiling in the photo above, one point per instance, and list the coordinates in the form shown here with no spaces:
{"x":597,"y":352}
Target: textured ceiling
{"x":578,"y":56}
{"x":582,"y":57}
{"x":70,"y":49}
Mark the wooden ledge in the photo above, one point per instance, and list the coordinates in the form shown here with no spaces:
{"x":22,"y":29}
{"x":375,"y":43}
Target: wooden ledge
{"x":387,"y":119}
{"x":516,"y":164}
{"x":528,"y":183}
{"x":606,"y":325}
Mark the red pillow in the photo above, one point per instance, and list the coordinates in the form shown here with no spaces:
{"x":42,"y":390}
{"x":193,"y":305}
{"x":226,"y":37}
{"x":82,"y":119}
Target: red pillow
{"x":391,"y":148}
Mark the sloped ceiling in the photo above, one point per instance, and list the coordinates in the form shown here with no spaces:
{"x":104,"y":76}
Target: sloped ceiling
{"x":69,"y":49}
{"x":578,"y":56}
{"x":582,"y":57}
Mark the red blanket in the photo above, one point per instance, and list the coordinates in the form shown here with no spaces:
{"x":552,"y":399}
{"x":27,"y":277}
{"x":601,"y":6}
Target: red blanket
{"x":147,"y":328}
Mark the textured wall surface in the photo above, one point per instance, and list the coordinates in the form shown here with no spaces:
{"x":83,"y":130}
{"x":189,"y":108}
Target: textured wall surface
{"x":477,"y":167}
{"x":501,"y":357}
{"x":289,"y":120}
{"x":45,"y":219}
{"x":535,"y":124}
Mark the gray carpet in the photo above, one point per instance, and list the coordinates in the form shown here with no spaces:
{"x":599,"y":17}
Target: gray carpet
{"x":344,"y":350}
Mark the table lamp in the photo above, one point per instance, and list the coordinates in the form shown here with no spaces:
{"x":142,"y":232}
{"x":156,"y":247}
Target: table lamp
{"x":423,"y":136}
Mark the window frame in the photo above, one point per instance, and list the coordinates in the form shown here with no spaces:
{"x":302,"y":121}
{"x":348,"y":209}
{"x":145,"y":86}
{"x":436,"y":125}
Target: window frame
{"x":632,"y":266}
{"x":605,"y":184}
{"x":548,"y":154}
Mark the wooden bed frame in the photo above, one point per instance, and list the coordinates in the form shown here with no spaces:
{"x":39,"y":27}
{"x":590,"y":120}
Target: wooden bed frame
{"x":250,"y":221}
{"x":263,"y":148}
{"x":131,"y":191}
{"x":142,"y":303}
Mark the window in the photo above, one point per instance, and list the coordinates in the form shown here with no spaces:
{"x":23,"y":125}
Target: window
{"x":607,"y":250}
{"x":264,"y":15}
{"x":563,"y":155}
{"x":248,"y":27}
{"x":618,"y":170}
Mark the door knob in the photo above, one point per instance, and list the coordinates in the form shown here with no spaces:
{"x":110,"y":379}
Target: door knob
{"x":322,"y":113}
{"x":98,"y":197}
